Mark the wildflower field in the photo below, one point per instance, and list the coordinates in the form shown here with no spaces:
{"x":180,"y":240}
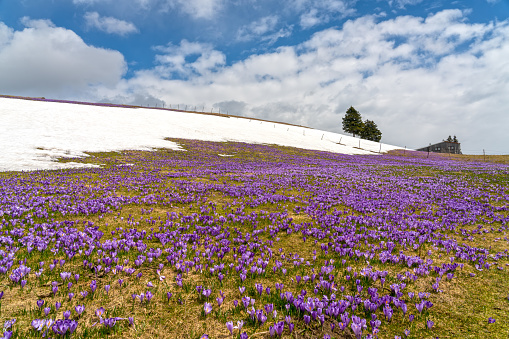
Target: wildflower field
{"x":231,"y":240}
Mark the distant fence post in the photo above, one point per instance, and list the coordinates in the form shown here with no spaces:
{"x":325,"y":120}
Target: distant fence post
{"x":380,"y":150}
{"x":484,"y":154}
{"x":359,"y":142}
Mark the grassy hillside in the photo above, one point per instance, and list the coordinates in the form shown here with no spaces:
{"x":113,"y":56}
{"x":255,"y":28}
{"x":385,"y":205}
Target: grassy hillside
{"x":289,"y":242}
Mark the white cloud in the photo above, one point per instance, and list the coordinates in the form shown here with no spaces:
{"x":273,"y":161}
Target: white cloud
{"x":175,"y":59}
{"x":263,"y":29}
{"x":5,"y":34}
{"x":322,"y":11}
{"x":109,"y":25}
{"x":198,"y":9}
{"x":257,"y":28}
{"x":43,"y":59}
{"x":403,"y":3}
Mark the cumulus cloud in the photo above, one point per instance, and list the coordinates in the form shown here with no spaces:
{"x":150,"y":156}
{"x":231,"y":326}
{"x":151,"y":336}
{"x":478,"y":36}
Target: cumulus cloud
{"x":322,"y":11}
{"x":403,"y":3}
{"x":231,"y":107}
{"x":109,"y":25}
{"x":175,"y":59}
{"x":6,"y":34}
{"x":137,"y":99}
{"x":43,"y":58}
{"x":257,"y":28}
{"x":263,"y":29}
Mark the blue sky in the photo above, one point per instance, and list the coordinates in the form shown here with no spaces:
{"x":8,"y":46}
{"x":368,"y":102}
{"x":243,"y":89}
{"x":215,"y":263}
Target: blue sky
{"x":420,"y":69}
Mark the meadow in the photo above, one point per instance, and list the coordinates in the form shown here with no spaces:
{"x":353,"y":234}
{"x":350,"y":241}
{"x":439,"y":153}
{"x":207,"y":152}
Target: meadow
{"x":233,"y":240}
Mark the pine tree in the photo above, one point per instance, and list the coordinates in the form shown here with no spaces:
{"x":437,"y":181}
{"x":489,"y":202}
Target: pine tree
{"x":454,"y":139}
{"x":352,"y":121}
{"x":449,"y":139}
{"x":371,"y":131}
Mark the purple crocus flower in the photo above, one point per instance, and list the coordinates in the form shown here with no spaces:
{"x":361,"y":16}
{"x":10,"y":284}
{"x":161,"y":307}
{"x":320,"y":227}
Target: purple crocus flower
{"x":149,"y":295}
{"x":307,"y":319}
{"x":207,"y":307}
{"x":99,"y":312}
{"x":279,"y":327}
{"x":491,"y":320}
{"x":388,"y":312}
{"x":110,"y":322}
{"x":229,"y":326}
{"x":259,"y":288}
{"x":79,"y":309}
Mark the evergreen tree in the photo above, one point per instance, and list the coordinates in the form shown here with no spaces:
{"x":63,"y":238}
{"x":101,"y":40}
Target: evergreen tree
{"x":449,"y":139}
{"x":454,"y":139}
{"x":352,"y":121}
{"x":370,"y":131}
